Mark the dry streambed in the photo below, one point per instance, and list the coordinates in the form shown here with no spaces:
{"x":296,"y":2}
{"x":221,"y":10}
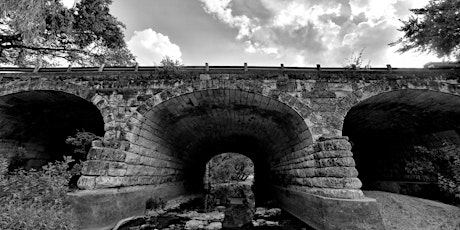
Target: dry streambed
{"x":188,"y":213}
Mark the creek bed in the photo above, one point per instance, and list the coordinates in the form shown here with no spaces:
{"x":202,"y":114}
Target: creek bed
{"x":192,"y":215}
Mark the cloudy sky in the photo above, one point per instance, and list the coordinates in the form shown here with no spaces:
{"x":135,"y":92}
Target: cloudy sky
{"x":267,"y":32}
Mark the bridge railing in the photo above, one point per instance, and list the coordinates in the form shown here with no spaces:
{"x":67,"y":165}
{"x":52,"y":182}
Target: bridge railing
{"x":207,"y":68}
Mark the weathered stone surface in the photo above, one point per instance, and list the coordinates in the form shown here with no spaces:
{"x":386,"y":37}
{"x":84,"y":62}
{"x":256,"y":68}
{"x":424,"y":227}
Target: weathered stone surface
{"x":102,"y":209}
{"x":335,"y":162}
{"x":330,"y":182}
{"x":332,"y":154}
{"x":87,"y":182}
{"x":335,"y":144}
{"x":329,"y":213}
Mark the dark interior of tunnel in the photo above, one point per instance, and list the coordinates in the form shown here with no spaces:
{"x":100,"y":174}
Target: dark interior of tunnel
{"x":197,"y":126}
{"x":39,"y":122}
{"x":402,"y":140}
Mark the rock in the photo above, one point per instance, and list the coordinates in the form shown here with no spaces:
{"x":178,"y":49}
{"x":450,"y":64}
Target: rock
{"x":263,"y":212}
{"x":214,"y":226}
{"x":237,"y":215}
{"x":212,"y":216}
{"x":195,"y":224}
{"x":262,"y":222}
{"x":258,"y":222}
{"x":272,"y":223}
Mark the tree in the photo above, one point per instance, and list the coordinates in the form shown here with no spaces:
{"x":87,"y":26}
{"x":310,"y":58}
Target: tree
{"x":39,"y":32}
{"x":230,"y":166}
{"x":433,"y":29}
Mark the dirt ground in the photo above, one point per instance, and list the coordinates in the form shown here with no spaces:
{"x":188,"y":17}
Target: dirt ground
{"x":407,"y":213}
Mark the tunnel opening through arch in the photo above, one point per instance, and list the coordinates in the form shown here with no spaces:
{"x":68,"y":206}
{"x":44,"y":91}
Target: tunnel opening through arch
{"x":228,"y":178}
{"x":34,"y":126}
{"x":404,"y":140}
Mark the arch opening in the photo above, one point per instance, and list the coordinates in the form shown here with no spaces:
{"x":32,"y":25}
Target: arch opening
{"x":404,"y":140}
{"x":35,"y":124}
{"x":188,"y":130}
{"x":228,"y":175}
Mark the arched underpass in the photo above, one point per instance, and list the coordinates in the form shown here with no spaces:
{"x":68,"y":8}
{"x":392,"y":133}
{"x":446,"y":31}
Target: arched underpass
{"x":194,"y":127}
{"x":35,"y":124}
{"x":399,"y":137}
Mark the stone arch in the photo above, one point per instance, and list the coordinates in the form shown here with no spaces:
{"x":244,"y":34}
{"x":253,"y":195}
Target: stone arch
{"x":35,"y":122}
{"x":388,"y":122}
{"x":200,"y":101}
{"x":86,"y":93}
{"x":373,"y":89}
{"x":253,"y":87}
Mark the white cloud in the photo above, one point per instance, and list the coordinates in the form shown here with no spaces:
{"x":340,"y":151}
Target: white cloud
{"x":150,"y":47}
{"x":316,"y":31}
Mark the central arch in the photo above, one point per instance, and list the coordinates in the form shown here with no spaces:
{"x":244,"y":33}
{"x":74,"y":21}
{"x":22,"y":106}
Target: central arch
{"x":189,"y":129}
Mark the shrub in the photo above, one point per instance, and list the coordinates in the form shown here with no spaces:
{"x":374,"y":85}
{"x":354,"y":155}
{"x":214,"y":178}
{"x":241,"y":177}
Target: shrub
{"x":36,"y":199}
{"x":81,"y":143}
{"x":442,"y":164}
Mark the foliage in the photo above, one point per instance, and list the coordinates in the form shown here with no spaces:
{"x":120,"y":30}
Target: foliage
{"x":230,"y":166}
{"x":86,"y":34}
{"x":37,"y":199}
{"x":356,"y":61}
{"x":440,"y":165}
{"x":81,"y":143}
{"x":169,"y":66}
{"x":434,"y":28}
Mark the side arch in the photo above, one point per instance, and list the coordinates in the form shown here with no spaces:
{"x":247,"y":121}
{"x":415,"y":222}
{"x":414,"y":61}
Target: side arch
{"x":400,"y":131}
{"x":373,"y":89}
{"x":34,"y":125}
{"x":86,"y":93}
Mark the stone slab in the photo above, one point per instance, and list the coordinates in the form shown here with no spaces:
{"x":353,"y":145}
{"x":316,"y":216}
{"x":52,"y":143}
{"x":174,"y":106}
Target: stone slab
{"x":330,"y":213}
{"x":102,"y":209}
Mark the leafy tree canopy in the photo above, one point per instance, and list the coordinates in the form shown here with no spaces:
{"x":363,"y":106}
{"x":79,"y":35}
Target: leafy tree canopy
{"x":39,"y":32}
{"x":434,"y":28}
{"x":230,"y":166}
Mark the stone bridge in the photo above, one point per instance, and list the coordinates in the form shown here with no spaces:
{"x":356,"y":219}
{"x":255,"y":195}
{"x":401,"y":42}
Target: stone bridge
{"x":160,"y":127}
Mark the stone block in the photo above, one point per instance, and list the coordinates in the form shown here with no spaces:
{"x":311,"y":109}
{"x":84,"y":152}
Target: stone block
{"x":332,"y":154}
{"x":336,"y":162}
{"x":332,"y":182}
{"x":336,"y":172}
{"x":335,"y":144}
{"x":329,"y":213}
{"x":95,"y":168}
{"x":109,"y":181}
{"x":86,"y":182}
{"x":117,"y":169}
{"x":106,"y":154}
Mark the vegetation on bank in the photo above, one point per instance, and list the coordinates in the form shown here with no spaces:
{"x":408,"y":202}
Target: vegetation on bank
{"x":37,"y":198}
{"x":440,"y":165}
